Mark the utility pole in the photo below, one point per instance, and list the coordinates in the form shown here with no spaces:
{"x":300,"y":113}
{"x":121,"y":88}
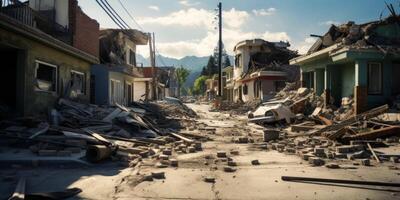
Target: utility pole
{"x":220,"y":50}
{"x":152,"y":63}
{"x":155,"y":81}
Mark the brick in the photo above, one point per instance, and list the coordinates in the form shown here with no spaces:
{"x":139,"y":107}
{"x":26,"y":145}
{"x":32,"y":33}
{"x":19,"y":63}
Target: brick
{"x":270,"y":134}
{"x":232,"y":163}
{"x":255,"y":162}
{"x":221,"y":154}
{"x":316,"y":161}
{"x":191,"y":150}
{"x":167,"y":152}
{"x":164,"y":157}
{"x":234,"y":152}
{"x":365,"y":162}
{"x":229,"y":169}
{"x":344,"y":149}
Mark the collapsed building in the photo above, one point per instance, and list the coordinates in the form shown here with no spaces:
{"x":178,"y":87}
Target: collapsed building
{"x":47,"y":49}
{"x":359,"y":61}
{"x":261,"y":69}
{"x":117,"y":79}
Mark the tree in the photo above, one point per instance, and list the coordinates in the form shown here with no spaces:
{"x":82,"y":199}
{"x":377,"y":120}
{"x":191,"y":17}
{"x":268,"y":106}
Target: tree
{"x":181,"y":75}
{"x":199,"y":85}
{"x":227,"y":61}
{"x":211,"y":67}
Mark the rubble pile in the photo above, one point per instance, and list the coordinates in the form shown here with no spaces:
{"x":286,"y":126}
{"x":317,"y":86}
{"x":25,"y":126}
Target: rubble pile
{"x":239,"y":108}
{"x":351,"y":139}
{"x":96,"y":133}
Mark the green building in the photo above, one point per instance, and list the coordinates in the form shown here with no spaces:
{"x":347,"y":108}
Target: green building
{"x":358,"y":61}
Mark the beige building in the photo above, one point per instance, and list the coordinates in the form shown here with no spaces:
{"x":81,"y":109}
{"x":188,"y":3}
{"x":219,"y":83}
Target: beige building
{"x":261,"y":69}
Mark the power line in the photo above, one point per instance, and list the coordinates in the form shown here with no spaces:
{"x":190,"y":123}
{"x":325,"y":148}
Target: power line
{"x":126,"y":10}
{"x":117,"y":15}
{"x":110,"y":15}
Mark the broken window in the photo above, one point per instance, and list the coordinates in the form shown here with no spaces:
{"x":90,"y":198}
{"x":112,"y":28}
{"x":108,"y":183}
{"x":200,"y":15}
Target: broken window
{"x":78,"y":82}
{"x":238,"y":60}
{"x":46,"y":77}
{"x":245,"y":89}
{"x":374,"y":78}
{"x":132,"y":58}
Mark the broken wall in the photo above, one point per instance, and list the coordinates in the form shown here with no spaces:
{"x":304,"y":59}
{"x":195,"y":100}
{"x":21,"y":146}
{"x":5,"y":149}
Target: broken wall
{"x":35,"y":102}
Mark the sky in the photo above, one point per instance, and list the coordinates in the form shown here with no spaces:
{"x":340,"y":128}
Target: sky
{"x":188,"y":28}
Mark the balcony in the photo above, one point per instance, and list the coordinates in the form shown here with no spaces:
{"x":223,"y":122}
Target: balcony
{"x":42,"y":20}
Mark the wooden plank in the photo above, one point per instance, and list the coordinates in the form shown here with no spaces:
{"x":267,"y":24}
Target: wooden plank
{"x":364,"y":116}
{"x":19,"y":193}
{"x":98,"y":137}
{"x":378,"y":133}
{"x":112,"y":115}
{"x":373,"y":153}
{"x":181,"y":137}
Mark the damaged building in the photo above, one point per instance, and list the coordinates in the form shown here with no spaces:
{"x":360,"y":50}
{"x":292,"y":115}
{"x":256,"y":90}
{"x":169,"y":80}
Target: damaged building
{"x":166,"y":81}
{"x":117,"y":79}
{"x":261,"y":69}
{"x":47,"y":48}
{"x":359,"y":61}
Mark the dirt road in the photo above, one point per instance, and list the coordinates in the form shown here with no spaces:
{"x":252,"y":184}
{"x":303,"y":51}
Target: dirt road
{"x":252,"y":181}
{"x":263,"y":181}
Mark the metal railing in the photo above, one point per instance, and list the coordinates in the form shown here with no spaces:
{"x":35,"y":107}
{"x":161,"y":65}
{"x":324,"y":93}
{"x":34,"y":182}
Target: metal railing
{"x":42,"y":19}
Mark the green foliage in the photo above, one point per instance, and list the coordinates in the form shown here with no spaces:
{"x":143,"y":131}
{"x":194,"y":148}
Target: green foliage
{"x":182,"y":74}
{"x":211,"y":67}
{"x":227,"y":62}
{"x":199,"y":85}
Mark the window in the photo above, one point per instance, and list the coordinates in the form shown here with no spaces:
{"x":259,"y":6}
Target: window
{"x":374,"y":78}
{"x":238,"y":60}
{"x":116,"y":92}
{"x":78,"y":82}
{"x":245,"y":89}
{"x":132,"y":58}
{"x":46,"y":77}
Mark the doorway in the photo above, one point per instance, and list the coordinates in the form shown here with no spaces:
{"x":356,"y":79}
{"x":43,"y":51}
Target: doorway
{"x":8,"y":80}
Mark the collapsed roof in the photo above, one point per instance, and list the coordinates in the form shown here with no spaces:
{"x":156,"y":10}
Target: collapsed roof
{"x":383,"y":35}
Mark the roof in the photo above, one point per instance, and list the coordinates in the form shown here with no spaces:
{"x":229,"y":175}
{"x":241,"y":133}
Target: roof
{"x":260,"y":42}
{"x":136,"y":36}
{"x":383,"y":36}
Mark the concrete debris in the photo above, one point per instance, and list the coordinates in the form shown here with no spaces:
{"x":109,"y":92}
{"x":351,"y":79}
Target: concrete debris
{"x":229,"y":169}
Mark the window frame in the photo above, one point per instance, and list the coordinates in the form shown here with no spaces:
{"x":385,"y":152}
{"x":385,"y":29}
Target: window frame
{"x":83,"y":92}
{"x":380,"y":92}
{"x":37,"y":63}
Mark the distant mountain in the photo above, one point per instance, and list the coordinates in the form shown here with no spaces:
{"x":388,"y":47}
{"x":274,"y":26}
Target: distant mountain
{"x":193,"y":63}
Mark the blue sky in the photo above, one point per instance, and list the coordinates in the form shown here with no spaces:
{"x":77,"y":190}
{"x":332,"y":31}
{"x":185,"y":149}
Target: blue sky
{"x":185,"y":27}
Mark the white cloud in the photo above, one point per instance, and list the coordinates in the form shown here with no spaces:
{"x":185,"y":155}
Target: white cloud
{"x":304,"y":45}
{"x":329,"y":22}
{"x":264,"y":12}
{"x":276,"y":36}
{"x":205,"y":46}
{"x":194,"y":17}
{"x":156,"y":8}
{"x":187,"y":3}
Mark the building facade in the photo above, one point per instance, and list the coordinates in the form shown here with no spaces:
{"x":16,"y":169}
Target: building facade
{"x":261,"y":69}
{"x":42,"y":60}
{"x":117,"y":79}
{"x":358,"y":61}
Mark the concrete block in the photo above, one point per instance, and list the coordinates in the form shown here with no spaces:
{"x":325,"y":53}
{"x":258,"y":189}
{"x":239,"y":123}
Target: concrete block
{"x":316,"y":161}
{"x":232,"y":163}
{"x":191,"y":150}
{"x":167,"y":152}
{"x":197,"y":146}
{"x":365,"y":162}
{"x":229,"y":169}
{"x":221,"y":154}
{"x":164,"y":157}
{"x":209,"y":179}
{"x":158,"y":175}
{"x":270,"y":134}
{"x":255,"y":162}
{"x":234,"y":152}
